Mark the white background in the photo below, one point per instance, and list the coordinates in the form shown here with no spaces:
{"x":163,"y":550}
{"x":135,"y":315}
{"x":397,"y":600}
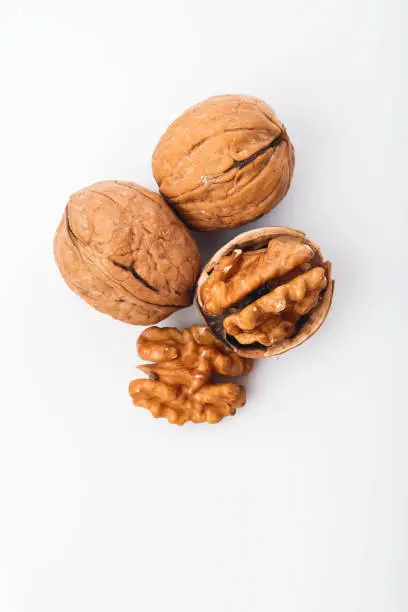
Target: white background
{"x":297,"y":504}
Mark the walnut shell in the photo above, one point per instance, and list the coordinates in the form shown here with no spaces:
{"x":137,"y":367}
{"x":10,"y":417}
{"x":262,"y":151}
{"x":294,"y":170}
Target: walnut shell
{"x":123,"y":250}
{"x":224,"y":162}
{"x":266,"y":291}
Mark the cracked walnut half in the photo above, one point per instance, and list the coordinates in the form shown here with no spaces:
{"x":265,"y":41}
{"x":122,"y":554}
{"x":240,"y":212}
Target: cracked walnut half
{"x":266,"y":291}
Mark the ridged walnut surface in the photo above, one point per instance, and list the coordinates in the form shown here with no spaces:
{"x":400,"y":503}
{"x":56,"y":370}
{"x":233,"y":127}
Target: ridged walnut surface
{"x":123,"y":250}
{"x":180,"y":386}
{"x":224,"y":162}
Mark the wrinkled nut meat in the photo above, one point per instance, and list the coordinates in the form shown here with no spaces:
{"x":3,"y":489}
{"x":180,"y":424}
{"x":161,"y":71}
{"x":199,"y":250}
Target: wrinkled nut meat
{"x":123,"y":250}
{"x":180,"y":387}
{"x":266,"y":291}
{"x":224,"y":162}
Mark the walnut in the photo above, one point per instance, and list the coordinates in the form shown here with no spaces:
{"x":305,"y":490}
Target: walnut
{"x":224,"y":162}
{"x":266,"y":291}
{"x":180,"y":388}
{"x":123,"y":250}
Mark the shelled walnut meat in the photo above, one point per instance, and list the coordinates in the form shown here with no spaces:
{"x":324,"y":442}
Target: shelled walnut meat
{"x":266,"y":291}
{"x":224,"y":162}
{"x":123,"y":250}
{"x":180,"y":387}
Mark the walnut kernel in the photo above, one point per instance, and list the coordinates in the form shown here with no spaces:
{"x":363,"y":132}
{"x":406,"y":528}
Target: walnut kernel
{"x":266,"y":291}
{"x":180,"y":388}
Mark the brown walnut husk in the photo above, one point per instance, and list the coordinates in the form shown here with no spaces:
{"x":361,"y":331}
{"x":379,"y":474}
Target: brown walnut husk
{"x":123,"y":250}
{"x":266,"y":291}
{"x":225,"y":162}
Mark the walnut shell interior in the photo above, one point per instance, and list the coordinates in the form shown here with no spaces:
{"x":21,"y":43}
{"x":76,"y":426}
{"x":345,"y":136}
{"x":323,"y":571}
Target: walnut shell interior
{"x":123,"y":250}
{"x":266,"y":291}
{"x":224,"y":162}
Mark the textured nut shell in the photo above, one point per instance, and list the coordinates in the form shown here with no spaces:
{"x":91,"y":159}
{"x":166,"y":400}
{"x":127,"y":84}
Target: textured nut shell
{"x":316,"y":317}
{"x":225,"y":162}
{"x":123,"y":250}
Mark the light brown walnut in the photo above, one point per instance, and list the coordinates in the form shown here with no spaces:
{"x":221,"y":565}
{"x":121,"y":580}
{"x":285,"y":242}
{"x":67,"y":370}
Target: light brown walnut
{"x":181,"y":387}
{"x":123,"y":250}
{"x":211,"y":403}
{"x":235,"y":278}
{"x":273,"y":317}
{"x":266,"y":291}
{"x":224,"y":162}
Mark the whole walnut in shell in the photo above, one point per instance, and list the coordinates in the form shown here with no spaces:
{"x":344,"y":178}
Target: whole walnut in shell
{"x":123,"y":250}
{"x":224,"y":162}
{"x":266,"y":291}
